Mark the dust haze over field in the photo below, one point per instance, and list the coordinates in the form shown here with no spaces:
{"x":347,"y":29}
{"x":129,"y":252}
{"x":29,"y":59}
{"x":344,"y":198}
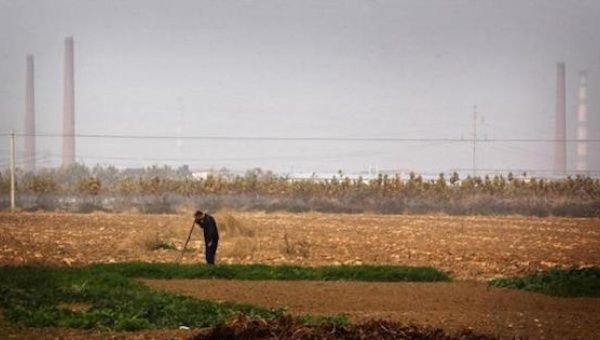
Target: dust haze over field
{"x":407,"y":69}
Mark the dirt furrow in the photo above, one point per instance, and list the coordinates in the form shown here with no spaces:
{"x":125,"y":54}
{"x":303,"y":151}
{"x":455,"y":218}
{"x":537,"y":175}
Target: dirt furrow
{"x":451,"y":306}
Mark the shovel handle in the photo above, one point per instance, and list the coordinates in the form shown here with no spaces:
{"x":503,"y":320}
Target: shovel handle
{"x":186,"y":242}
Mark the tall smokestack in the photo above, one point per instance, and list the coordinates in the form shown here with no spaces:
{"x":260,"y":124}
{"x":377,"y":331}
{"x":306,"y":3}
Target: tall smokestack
{"x":560,"y":147}
{"x":68,"y":147}
{"x":582,"y":132}
{"x":29,"y":150}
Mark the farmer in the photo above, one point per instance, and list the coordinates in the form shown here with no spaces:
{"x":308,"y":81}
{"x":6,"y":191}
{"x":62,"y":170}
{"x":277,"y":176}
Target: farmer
{"x":211,"y":234}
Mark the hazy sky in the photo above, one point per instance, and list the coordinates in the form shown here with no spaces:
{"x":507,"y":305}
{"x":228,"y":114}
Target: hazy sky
{"x":409,"y":69}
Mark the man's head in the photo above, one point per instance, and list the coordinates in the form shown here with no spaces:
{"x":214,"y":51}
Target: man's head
{"x":198,"y":215}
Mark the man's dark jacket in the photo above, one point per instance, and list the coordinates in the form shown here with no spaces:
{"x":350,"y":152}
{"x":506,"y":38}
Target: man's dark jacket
{"x":209,"y":226}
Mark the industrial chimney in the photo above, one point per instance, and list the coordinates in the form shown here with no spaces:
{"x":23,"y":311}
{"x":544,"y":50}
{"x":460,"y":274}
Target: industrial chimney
{"x":68,"y":147}
{"x":582,"y":133}
{"x":29,"y":150}
{"x":560,"y":144}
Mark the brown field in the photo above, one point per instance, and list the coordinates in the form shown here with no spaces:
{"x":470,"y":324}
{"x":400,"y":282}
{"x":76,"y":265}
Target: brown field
{"x":452,"y":306}
{"x":468,"y":248}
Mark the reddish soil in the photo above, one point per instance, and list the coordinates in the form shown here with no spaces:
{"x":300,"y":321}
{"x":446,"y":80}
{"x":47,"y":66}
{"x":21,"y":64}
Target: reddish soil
{"x":471,"y":248}
{"x":451,"y":306}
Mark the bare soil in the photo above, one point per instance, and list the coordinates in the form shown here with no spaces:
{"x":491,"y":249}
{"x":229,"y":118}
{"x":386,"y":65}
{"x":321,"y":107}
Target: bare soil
{"x":451,"y":306}
{"x":469,"y":248}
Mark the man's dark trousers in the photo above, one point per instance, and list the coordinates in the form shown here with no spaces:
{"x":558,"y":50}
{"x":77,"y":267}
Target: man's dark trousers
{"x":211,"y":236}
{"x":211,"y":251}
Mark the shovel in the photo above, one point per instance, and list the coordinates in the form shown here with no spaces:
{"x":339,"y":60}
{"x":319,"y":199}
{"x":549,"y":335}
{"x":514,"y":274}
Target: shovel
{"x":186,"y":243}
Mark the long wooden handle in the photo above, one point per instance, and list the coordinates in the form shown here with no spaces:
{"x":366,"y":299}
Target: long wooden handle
{"x":186,"y":242}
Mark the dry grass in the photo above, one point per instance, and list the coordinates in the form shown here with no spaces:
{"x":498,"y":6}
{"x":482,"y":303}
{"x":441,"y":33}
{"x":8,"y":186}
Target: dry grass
{"x":244,"y":244}
{"x":232,"y":226}
{"x":239,"y":238}
{"x":298,"y":248}
{"x":149,"y":240}
{"x":155,"y":241}
{"x":244,"y":248}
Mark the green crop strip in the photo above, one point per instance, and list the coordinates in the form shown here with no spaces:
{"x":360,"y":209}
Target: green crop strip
{"x":34,"y":296}
{"x":576,"y":282}
{"x":107,"y":296}
{"x":264,"y":272}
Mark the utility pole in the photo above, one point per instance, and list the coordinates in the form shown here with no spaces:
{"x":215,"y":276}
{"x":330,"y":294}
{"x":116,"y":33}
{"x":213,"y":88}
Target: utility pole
{"x":474,"y":139}
{"x":12,"y":170}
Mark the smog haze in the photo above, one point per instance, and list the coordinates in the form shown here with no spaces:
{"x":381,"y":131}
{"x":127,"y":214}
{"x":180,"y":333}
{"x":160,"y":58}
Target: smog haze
{"x":303,"y":86}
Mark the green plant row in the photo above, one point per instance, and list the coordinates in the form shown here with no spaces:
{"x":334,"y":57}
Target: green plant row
{"x":265,"y":272}
{"x":41,"y":296}
{"x":575,"y":282}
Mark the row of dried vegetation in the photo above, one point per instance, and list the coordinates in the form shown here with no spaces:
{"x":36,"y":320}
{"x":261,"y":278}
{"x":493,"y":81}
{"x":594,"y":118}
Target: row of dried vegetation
{"x":286,"y":327}
{"x":163,"y":190}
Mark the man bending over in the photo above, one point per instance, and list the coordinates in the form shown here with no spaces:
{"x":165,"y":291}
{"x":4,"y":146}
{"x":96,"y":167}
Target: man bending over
{"x":211,"y":234}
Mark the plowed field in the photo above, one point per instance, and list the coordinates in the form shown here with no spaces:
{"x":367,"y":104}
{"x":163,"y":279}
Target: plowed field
{"x":451,"y":306}
{"x":468,"y":248}
{"x":472,"y":248}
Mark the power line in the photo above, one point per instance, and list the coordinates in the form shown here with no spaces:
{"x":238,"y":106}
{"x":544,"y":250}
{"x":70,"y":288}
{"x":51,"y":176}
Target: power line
{"x":514,"y":170}
{"x":317,"y":138}
{"x":224,"y":159}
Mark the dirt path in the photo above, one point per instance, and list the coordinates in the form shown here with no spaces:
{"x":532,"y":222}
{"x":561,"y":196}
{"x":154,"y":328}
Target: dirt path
{"x":451,"y":306}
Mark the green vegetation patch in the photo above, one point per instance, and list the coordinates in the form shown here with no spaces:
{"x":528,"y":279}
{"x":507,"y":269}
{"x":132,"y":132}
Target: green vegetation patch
{"x":106,"y":296}
{"x":37,"y":296}
{"x":264,"y":272}
{"x":575,"y":282}
{"x":163,"y":245}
